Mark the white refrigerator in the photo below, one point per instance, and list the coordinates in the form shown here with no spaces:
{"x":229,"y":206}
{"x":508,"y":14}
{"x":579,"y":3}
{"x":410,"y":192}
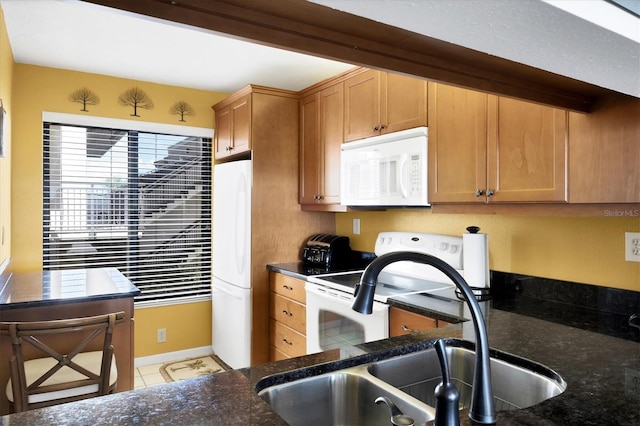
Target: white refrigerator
{"x":231,"y":267}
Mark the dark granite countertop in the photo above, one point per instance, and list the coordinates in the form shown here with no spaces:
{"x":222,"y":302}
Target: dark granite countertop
{"x":602,"y":374}
{"x":28,"y":289}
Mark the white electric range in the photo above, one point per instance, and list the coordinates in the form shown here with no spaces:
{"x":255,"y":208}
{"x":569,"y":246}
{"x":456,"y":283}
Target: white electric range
{"x":331,"y":323}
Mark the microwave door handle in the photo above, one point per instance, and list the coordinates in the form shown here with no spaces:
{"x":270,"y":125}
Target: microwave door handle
{"x":403,"y":166}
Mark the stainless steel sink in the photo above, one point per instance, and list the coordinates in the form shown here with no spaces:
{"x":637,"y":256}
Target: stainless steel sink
{"x":345,"y":397}
{"x":517,"y":382}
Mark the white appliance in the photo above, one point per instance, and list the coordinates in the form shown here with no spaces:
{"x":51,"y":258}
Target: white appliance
{"x":231,"y":281}
{"x":331,"y":323}
{"x":385,"y":170}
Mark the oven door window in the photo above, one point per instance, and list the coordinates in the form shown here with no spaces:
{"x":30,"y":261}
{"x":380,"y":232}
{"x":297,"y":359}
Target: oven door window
{"x":337,"y":331}
{"x":331,"y":323}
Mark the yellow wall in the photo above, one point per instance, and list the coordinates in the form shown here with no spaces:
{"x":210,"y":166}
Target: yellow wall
{"x":38,"y":89}
{"x":578,"y":249}
{"x":188,"y":326}
{"x":6,"y":82}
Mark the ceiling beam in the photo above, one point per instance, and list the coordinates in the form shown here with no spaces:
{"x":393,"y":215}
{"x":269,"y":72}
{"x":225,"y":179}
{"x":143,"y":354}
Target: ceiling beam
{"x":314,"y":29}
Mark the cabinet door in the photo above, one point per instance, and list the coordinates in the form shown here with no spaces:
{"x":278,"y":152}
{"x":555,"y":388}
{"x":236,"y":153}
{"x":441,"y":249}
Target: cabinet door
{"x":604,"y":153}
{"x":233,"y":128}
{"x":457,"y":144}
{"x":223,"y":139}
{"x":310,"y":162}
{"x":527,"y":145}
{"x":331,"y":133}
{"x":241,"y":110}
{"x":362,"y":105}
{"x":404,"y":103}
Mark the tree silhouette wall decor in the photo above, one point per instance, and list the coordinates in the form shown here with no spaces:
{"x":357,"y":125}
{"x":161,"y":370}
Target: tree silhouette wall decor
{"x":137,"y":98}
{"x":181,"y":108}
{"x":84,"y":96}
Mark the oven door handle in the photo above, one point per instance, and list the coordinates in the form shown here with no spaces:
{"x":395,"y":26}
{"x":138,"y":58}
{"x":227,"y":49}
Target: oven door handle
{"x":329,"y":292}
{"x":339,"y":297}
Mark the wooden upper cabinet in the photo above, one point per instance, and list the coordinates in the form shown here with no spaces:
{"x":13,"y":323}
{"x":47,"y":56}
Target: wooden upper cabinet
{"x":377,"y":102}
{"x":233,"y":127}
{"x":604,"y":153}
{"x":406,"y":103}
{"x":487,"y":149}
{"x":362,"y":105}
{"x":309,"y":149}
{"x":457,"y":144}
{"x":527,"y":146}
{"x":321,"y":132}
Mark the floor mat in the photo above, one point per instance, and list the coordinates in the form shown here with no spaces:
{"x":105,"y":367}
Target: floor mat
{"x":192,"y":367}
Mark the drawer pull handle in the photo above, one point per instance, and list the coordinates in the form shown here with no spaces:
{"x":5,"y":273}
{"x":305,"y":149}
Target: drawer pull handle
{"x":410,"y":330}
{"x":287,"y":313}
{"x":286,"y":287}
{"x":287,"y":342}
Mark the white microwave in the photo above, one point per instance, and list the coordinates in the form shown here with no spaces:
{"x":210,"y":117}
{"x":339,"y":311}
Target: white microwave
{"x":385,"y":170}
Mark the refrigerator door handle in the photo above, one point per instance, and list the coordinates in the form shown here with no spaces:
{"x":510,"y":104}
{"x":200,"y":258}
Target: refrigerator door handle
{"x":240,"y":230}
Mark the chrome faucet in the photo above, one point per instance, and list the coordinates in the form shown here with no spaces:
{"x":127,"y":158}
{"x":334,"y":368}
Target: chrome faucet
{"x":482,"y":410}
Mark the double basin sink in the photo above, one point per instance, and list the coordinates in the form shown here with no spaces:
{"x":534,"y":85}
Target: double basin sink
{"x":346,"y":396}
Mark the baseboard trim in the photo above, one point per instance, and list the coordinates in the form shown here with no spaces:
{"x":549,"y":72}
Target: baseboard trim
{"x":172,"y":356}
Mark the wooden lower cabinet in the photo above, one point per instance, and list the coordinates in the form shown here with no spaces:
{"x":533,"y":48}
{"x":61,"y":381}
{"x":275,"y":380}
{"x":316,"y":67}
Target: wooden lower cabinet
{"x":288,"y":341}
{"x":288,"y":324}
{"x":403,"y":322}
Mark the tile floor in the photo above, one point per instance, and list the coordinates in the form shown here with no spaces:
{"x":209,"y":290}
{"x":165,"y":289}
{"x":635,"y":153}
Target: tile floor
{"x":147,"y":376}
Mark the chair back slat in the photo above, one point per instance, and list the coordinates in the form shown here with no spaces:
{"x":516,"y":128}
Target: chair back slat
{"x":32,"y":332}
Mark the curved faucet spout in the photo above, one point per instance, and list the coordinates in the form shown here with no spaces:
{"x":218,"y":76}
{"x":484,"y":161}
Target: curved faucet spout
{"x":482,"y":410}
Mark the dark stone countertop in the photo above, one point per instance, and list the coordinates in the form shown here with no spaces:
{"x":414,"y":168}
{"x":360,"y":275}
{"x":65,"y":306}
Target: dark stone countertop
{"x":45,"y":288}
{"x":602,"y":374}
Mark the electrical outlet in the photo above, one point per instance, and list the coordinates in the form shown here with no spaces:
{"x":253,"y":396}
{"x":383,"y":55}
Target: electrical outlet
{"x":162,"y":335}
{"x":356,"y":226}
{"x":632,"y":246}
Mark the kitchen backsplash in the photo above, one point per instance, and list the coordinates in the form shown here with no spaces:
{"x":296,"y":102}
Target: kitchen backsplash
{"x":590,"y":307}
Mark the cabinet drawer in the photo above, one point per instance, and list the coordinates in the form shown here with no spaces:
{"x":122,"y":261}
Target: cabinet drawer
{"x":287,"y":340}
{"x":276,"y":355}
{"x":404,"y":322}
{"x":289,"y":312}
{"x":287,"y":286}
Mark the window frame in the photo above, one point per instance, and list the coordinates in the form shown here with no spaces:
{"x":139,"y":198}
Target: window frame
{"x":128,"y":125}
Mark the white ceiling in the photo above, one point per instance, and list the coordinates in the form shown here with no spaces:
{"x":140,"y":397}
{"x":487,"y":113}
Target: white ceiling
{"x":89,"y":38}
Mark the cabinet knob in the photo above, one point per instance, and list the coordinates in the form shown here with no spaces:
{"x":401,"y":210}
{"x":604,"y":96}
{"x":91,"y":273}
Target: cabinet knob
{"x":490,"y":192}
{"x":479,"y":192}
{"x":382,"y":127}
{"x":320,"y":197}
{"x":375,"y":129}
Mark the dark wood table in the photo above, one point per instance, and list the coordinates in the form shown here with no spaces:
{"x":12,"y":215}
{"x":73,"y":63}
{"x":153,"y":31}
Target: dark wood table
{"x":48,"y":295}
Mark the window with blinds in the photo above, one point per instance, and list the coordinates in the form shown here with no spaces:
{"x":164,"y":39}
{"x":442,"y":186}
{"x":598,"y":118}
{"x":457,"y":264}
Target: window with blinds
{"x":136,"y":201}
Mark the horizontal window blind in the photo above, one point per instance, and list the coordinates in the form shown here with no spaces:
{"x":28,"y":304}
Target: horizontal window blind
{"x":136,"y":201}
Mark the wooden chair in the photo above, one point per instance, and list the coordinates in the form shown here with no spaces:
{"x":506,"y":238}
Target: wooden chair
{"x":66,"y":373}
